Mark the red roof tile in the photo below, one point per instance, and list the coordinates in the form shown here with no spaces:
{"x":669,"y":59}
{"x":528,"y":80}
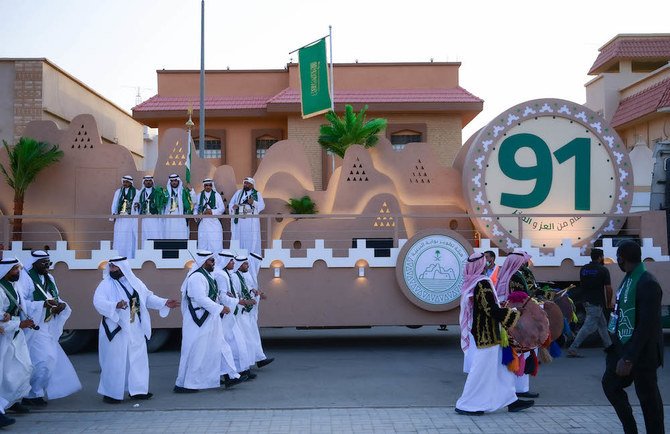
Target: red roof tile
{"x":652,"y":47}
{"x":176,"y":103}
{"x":453,"y":95}
{"x":643,"y":103}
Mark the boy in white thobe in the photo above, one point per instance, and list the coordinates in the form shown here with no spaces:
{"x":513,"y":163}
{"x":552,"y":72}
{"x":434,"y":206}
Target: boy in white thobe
{"x":179,"y":202}
{"x":147,"y":202}
{"x":15,"y":365}
{"x":53,"y":374}
{"x":247,"y":231}
{"x":210,"y":232}
{"x":202,"y":332}
{"x":125,"y":229}
{"x":232,"y":332}
{"x":123,"y":301}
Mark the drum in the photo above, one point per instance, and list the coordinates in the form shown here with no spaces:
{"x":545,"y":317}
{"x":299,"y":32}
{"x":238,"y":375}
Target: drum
{"x":532,"y":329}
{"x":565,"y":303}
{"x":555,"y":319}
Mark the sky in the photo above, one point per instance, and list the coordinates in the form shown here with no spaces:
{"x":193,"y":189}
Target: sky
{"x":511,"y":51}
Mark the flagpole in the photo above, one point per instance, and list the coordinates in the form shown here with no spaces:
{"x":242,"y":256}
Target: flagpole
{"x":201,"y":137}
{"x":332,"y":88}
{"x":189,"y":125}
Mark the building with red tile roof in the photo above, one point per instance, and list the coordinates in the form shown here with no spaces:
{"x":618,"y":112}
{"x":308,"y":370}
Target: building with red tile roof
{"x":248,"y":110}
{"x":632,"y":91}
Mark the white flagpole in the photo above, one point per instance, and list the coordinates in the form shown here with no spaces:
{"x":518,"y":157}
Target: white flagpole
{"x":201,"y":138}
{"x":332,"y":88}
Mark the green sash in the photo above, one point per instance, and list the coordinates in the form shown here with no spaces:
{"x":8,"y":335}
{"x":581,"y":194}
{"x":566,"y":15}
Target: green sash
{"x":253,"y":195}
{"x":245,"y":292}
{"x":48,"y":286}
{"x":128,"y":196}
{"x":13,"y":309}
{"x":152,"y":204}
{"x":211,"y":202}
{"x":212,"y":294}
{"x":626,"y":303}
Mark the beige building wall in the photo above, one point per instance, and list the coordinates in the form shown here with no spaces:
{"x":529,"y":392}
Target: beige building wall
{"x":306,"y":132}
{"x":36,"y":89}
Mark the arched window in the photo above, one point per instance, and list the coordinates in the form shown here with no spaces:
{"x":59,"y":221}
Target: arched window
{"x":401,"y":138}
{"x":212,"y":147}
{"x":263,"y":143}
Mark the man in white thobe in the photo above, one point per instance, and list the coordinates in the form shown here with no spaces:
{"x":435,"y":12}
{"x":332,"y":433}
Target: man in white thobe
{"x":255,"y":261}
{"x":247,"y":231}
{"x":209,"y":202}
{"x":149,"y":202}
{"x":247,"y":320}
{"x":232,"y":333}
{"x":179,"y":202}
{"x":123,"y":301}
{"x":15,"y":364}
{"x":202,"y":332}
{"x":125,"y":229}
{"x":53,"y":375}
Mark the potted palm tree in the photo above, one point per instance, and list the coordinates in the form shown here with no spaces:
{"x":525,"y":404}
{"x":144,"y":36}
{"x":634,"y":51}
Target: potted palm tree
{"x":26,"y":160}
{"x":351,"y":129}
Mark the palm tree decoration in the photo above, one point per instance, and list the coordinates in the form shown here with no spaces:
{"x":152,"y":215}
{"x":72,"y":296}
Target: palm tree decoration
{"x":302,"y":205}
{"x":26,"y":160}
{"x":352,"y":129}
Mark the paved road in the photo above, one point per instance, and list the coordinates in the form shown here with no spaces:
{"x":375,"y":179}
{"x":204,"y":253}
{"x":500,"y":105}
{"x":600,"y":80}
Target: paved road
{"x":370,"y":380}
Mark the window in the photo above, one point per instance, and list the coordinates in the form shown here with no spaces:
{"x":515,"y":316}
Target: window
{"x":263,"y":143}
{"x":212,"y":147}
{"x":402,"y":138}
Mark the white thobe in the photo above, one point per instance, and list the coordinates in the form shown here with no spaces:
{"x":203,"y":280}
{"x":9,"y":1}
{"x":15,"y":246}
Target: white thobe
{"x":125,"y":229}
{"x":15,"y":364}
{"x":490,"y":385}
{"x":248,"y":323}
{"x":210,"y":232}
{"x":201,"y":348}
{"x":232,"y":332}
{"x":152,"y":228}
{"x":175,"y":229}
{"x":53,"y":374}
{"x":247,"y":231}
{"x":124,"y":361}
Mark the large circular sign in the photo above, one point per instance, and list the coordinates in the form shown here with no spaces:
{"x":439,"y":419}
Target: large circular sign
{"x":431,"y":267}
{"x":557,"y":167}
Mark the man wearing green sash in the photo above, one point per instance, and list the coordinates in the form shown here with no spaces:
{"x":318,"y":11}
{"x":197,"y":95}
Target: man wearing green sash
{"x":637,"y":343}
{"x":15,"y":365}
{"x":53,"y":375}
{"x":179,"y":202}
{"x":202,"y":331}
{"x":150,"y":200}
{"x":125,"y":229}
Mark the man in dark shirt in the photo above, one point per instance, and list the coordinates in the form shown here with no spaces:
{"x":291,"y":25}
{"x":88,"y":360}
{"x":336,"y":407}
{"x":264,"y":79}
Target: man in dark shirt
{"x":594,"y":280}
{"x":637,"y":351}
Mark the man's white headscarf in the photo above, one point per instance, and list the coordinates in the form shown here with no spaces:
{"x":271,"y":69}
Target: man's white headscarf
{"x":38,"y":255}
{"x":223,"y":259}
{"x":129,"y":178}
{"x":201,"y":256}
{"x":250,"y":180}
{"x":239,"y":260}
{"x":7,"y":264}
{"x":512,"y":263}
{"x":473,"y":275}
{"x":124,"y":265}
{"x":255,"y":265}
{"x":209,"y":181}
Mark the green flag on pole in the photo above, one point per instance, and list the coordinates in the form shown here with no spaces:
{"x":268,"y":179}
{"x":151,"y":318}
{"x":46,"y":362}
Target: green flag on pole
{"x":188,"y":157}
{"x":313,"y":66}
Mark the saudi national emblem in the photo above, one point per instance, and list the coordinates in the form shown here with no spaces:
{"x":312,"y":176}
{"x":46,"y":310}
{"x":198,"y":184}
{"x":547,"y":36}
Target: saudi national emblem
{"x":430,"y":269}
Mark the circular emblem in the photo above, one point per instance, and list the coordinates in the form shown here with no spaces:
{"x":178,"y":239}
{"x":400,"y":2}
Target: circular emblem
{"x":430,"y":269}
{"x":555,"y":168}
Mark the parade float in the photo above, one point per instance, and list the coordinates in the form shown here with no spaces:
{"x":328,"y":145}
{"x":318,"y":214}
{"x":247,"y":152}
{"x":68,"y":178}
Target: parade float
{"x":393,"y":227}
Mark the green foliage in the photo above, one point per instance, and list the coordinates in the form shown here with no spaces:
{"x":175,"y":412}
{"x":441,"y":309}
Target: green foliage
{"x":303,"y":205}
{"x":26,"y":160}
{"x":351,"y":129}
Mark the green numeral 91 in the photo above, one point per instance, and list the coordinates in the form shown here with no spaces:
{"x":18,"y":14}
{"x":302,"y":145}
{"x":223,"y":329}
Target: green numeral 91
{"x":542,"y":171}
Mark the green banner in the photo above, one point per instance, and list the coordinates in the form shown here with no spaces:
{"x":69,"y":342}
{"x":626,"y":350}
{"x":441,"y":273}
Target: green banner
{"x":315,"y":98}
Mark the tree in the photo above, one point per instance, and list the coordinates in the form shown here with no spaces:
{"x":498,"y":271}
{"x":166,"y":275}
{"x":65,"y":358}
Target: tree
{"x":351,"y":129}
{"x":26,"y":160}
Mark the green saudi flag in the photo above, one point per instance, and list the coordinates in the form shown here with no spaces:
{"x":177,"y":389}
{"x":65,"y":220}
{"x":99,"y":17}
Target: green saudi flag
{"x":315,"y":98}
{"x":188,"y":157}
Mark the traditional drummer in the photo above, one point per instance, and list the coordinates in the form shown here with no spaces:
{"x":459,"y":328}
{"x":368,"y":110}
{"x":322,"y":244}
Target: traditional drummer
{"x":489,"y":385}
